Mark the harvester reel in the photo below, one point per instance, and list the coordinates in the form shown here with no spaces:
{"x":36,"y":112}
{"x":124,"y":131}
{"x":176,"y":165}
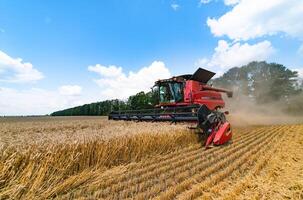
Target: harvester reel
{"x":214,"y":125}
{"x":207,"y":118}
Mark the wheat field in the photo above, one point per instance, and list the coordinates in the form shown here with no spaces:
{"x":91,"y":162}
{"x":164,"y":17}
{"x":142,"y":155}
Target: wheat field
{"x":93,"y":158}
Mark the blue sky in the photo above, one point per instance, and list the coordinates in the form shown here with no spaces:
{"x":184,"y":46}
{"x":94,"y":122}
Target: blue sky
{"x":85,"y":51}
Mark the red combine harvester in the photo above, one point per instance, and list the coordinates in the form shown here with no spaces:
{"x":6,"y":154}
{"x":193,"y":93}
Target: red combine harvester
{"x":187,"y":98}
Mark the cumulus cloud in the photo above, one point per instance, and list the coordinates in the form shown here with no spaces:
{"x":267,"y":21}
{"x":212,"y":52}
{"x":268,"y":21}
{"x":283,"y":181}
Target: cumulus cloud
{"x":15,"y":70}
{"x":229,"y":55}
{"x":36,"y":101}
{"x":114,"y":83}
{"x":175,"y":6}
{"x":251,"y":19}
{"x":110,"y":71}
{"x":70,"y":90}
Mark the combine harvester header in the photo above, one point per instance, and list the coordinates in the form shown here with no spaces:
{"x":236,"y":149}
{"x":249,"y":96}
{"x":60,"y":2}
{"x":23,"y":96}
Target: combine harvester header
{"x":187,"y":98}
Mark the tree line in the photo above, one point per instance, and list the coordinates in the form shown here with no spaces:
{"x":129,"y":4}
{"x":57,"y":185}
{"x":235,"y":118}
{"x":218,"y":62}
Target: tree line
{"x":141,"y":100}
{"x":261,"y":82}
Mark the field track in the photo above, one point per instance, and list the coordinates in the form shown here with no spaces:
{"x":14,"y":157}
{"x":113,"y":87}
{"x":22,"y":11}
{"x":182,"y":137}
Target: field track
{"x":75,"y":158}
{"x":193,"y":173}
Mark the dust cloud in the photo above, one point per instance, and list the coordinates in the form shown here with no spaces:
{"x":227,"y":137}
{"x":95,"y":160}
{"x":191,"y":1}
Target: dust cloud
{"x":243,"y":111}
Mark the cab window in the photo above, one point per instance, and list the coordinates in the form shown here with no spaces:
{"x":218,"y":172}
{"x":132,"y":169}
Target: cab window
{"x":165,"y":93}
{"x":155,"y":95}
{"x":177,"y":89}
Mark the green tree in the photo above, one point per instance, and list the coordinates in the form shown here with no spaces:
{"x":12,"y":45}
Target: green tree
{"x":264,"y":82}
{"x":140,"y":101}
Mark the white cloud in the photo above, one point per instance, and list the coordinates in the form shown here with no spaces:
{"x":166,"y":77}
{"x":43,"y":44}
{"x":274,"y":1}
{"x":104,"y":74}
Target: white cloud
{"x":250,"y":19}
{"x":229,"y":55}
{"x":110,"y":71}
{"x":70,"y":90}
{"x":116,"y":84}
{"x":226,"y":2}
{"x":231,"y":2}
{"x":35,"y":101}
{"x":204,"y":2}
{"x":15,"y":70}
{"x":175,"y":6}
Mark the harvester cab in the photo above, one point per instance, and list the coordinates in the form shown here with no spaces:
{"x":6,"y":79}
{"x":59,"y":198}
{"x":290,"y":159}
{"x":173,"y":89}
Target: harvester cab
{"x":168,"y":92}
{"x":187,"y":98}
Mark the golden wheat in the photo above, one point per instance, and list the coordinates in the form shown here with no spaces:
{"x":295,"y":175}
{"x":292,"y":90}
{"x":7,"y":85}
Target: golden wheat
{"x":91,"y":157}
